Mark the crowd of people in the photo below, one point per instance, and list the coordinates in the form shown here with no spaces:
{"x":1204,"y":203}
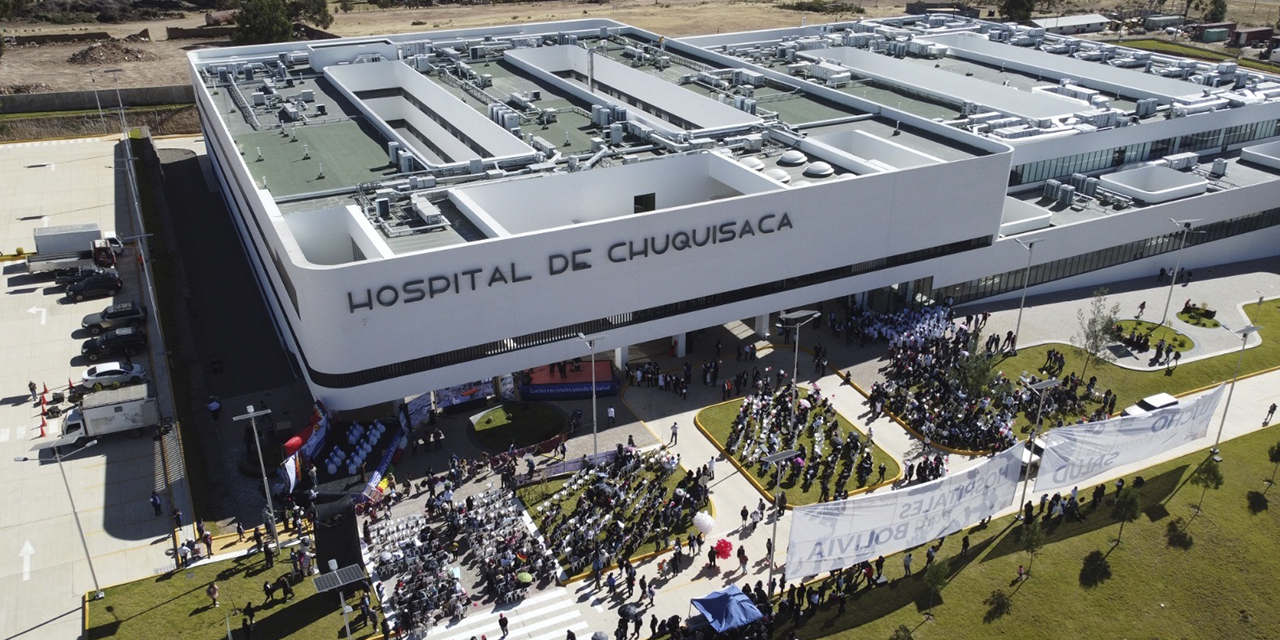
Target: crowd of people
{"x":606,"y":511}
{"x":420,"y":557}
{"x":830,"y":455}
{"x":933,"y":385}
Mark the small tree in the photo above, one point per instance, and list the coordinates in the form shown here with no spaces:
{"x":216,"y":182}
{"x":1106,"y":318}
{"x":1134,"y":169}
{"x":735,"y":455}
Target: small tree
{"x":1207,"y":476}
{"x":314,"y":11}
{"x":261,"y":22}
{"x":1033,"y":538}
{"x":1273,"y":454}
{"x":1125,"y":509}
{"x":975,"y":373}
{"x":1017,"y":10}
{"x":1215,"y":11}
{"x":935,"y":577}
{"x":1095,"y":330}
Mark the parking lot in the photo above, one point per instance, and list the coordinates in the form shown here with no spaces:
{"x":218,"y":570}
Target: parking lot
{"x":43,"y":570}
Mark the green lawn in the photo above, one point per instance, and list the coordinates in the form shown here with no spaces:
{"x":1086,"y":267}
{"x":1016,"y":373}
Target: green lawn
{"x":174,"y":605}
{"x":718,"y":420}
{"x":1216,"y":581}
{"x":1132,"y":386}
{"x":1177,"y":49}
{"x":1198,"y":320}
{"x":522,"y":423}
{"x":535,"y":494}
{"x":1178,"y":341}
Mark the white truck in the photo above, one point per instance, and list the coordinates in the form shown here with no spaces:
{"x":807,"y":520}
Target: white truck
{"x":109,"y":411}
{"x":70,"y":246}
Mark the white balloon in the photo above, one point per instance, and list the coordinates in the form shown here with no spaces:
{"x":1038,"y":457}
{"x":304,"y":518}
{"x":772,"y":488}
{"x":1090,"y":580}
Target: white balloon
{"x":704,"y":523}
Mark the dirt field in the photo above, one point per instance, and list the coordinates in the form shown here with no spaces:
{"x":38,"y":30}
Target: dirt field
{"x":675,"y":18}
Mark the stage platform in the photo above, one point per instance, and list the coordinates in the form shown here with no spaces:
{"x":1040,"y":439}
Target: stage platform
{"x":546,"y":383}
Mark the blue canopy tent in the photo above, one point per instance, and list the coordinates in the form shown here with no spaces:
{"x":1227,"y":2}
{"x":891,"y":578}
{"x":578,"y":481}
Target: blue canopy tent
{"x":727,"y":609}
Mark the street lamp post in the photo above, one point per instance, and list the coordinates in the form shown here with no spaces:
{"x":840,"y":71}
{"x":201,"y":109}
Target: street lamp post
{"x":1244,"y":340}
{"x":1030,"y":246}
{"x":97,"y":588}
{"x":795,"y":320}
{"x":252,"y":417}
{"x":595,"y":438}
{"x":96,"y":100}
{"x":1042,"y":388}
{"x":776,"y":459}
{"x":1185,"y":225}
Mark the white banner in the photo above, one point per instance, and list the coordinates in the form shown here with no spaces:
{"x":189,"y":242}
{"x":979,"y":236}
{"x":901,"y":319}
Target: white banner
{"x":1075,"y":454}
{"x":834,"y":535}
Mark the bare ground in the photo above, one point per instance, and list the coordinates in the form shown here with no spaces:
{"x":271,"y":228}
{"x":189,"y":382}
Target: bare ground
{"x":180,"y":120}
{"x":674,"y":18}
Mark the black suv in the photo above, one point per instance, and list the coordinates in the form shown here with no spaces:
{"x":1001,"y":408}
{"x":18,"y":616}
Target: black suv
{"x":76,"y":274}
{"x":127,"y":340}
{"x":121,"y":314}
{"x":98,"y":284}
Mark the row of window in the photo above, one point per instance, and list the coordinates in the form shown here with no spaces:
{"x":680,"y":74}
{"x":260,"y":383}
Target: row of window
{"x":1140,"y":152}
{"x":1103,"y":258}
{"x":569,"y":332}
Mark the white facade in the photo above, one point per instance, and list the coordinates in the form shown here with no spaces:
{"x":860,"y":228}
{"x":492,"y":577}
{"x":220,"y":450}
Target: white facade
{"x":660,"y":224}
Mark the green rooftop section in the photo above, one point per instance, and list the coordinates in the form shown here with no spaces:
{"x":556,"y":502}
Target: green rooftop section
{"x":349,"y":151}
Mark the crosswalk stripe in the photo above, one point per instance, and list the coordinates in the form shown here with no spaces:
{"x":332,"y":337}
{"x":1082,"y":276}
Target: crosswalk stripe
{"x":4,"y":435}
{"x":560,"y":633}
{"x":20,"y":433}
{"x":518,"y":614}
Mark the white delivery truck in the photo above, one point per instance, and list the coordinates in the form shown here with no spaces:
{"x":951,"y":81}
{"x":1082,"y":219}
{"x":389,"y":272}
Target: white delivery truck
{"x":109,"y":411}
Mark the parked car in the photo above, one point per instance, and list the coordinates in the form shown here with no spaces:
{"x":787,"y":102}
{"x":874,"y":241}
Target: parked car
{"x":120,"y":314}
{"x":75,"y":274}
{"x":111,"y":374}
{"x":127,"y":340}
{"x":98,"y":284}
{"x":1149,"y":404}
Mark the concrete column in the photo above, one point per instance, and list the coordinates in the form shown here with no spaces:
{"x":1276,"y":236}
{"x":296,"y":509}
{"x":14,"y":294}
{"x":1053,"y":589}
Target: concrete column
{"x":681,"y":341}
{"x":620,"y":358}
{"x":762,"y":325}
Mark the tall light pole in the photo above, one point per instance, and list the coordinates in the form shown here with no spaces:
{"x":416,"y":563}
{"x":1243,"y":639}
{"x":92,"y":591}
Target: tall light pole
{"x":97,"y":588}
{"x":1042,"y":388}
{"x":96,"y":100}
{"x":1177,"y":266}
{"x":1244,"y":340}
{"x":1030,"y":246}
{"x":795,"y":320}
{"x":775,"y":459}
{"x":595,"y":437}
{"x":252,"y":417}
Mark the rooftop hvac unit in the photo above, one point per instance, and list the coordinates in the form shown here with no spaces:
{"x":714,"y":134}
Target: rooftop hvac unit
{"x":1182,"y":161}
{"x":1051,"y":187}
{"x":616,"y":131}
{"x":1066,"y":194}
{"x":307,"y":95}
{"x":407,"y":164}
{"x":476,"y":166}
{"x":1219,"y":168}
{"x":384,"y":208}
{"x":393,"y":152}
{"x":1091,"y":187}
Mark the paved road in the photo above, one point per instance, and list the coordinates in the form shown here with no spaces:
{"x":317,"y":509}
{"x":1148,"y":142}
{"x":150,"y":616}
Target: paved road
{"x":43,"y":571}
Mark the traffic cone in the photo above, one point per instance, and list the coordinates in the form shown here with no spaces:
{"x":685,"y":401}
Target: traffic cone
{"x":70,"y":385}
{"x":43,"y":423}
{"x":46,"y":388}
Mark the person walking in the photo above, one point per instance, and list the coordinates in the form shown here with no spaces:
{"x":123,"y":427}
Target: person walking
{"x":502,"y":623}
{"x":249,"y":611}
{"x":155,"y":504}
{"x":745,"y":514}
{"x":35,"y":391}
{"x":906,"y":565}
{"x":611,"y":416}
{"x":711,"y":466}
{"x":742,"y":559}
{"x":177,"y":518}
{"x":212,"y":592}
{"x":675,"y":433}
{"x":1271,"y":411}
